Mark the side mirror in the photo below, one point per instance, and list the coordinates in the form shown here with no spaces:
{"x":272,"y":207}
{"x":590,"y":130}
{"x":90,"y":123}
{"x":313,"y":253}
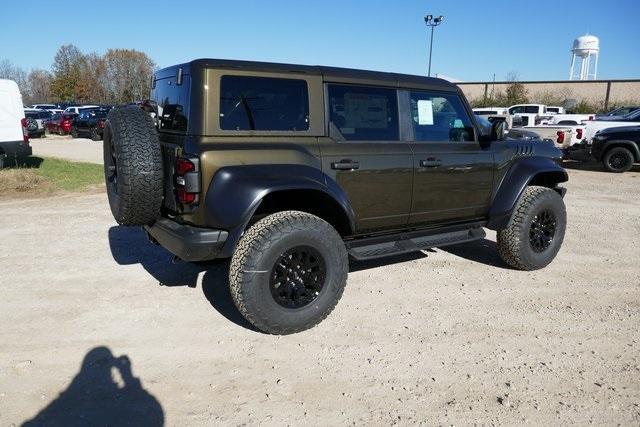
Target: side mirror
{"x":496,"y":133}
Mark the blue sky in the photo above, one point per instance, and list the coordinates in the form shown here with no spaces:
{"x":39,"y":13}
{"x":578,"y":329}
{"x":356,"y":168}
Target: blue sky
{"x":477,"y":39}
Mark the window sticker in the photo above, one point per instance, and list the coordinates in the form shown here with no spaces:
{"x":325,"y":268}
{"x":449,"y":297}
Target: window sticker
{"x":425,"y":112}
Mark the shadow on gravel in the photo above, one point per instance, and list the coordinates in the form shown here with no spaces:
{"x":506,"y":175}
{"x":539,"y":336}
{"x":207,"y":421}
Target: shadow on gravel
{"x":129,"y":245}
{"x":104,"y":392}
{"x":484,"y":251}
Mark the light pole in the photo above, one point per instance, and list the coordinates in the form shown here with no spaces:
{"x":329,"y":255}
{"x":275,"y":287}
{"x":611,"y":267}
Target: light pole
{"x":432,"y":22}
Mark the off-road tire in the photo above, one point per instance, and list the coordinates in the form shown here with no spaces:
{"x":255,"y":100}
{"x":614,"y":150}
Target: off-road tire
{"x":255,"y":256}
{"x":74,"y":132}
{"x":622,"y":153}
{"x":514,"y":245}
{"x":95,"y":136}
{"x":131,"y":144}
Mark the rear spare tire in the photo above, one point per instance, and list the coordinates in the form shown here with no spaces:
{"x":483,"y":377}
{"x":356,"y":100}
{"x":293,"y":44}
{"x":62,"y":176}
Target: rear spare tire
{"x":132,"y":166}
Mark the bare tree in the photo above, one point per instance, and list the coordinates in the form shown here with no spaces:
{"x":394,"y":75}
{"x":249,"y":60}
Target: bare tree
{"x":9,"y":71}
{"x":128,"y":75}
{"x":39,"y":82}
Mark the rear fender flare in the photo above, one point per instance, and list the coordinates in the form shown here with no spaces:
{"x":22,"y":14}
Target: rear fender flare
{"x":236,"y":192}
{"x":526,"y":171}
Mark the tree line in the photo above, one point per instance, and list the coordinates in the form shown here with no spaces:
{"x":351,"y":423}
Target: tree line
{"x":119,"y":76}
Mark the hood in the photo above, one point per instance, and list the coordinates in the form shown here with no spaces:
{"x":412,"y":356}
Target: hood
{"x":620,"y":129}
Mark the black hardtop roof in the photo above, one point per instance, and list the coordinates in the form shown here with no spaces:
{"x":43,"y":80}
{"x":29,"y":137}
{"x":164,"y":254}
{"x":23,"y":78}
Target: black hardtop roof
{"x":328,"y":73}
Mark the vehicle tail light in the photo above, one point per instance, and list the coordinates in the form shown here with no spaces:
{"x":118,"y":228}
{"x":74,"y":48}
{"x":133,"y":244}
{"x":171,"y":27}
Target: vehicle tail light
{"x":183,"y":166}
{"x":25,"y":132}
{"x":560,"y":139}
{"x":590,"y":117}
{"x":579,"y":133}
{"x":185,"y":197}
{"x":187,"y":180}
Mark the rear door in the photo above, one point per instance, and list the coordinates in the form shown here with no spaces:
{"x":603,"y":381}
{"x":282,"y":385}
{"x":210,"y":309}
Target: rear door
{"x":365,"y":155}
{"x":453,"y":174}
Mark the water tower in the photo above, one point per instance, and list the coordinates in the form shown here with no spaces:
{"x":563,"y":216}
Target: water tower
{"x":584,"y":58}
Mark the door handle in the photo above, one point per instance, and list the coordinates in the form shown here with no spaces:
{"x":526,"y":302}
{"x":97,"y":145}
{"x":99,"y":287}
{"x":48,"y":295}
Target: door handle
{"x":431,"y":162}
{"x":345,"y":165}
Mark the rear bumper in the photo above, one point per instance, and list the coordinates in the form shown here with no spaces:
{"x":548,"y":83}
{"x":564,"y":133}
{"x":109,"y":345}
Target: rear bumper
{"x":15,"y":148}
{"x":187,"y":242}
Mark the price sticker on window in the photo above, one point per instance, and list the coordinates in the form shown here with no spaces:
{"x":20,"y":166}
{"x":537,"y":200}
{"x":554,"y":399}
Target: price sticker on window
{"x":425,"y":112}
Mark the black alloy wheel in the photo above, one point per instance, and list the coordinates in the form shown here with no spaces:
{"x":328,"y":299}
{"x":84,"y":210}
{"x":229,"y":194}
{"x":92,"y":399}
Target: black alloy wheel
{"x":298,"y":276}
{"x":619,"y":161}
{"x":542,"y":231}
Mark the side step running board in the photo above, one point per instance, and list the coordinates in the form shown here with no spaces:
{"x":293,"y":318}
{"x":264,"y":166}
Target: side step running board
{"x":413,"y":244}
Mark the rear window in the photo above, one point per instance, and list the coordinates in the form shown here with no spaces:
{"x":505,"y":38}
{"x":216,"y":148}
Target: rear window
{"x":32,"y":114}
{"x":263,"y":103}
{"x":172,"y":103}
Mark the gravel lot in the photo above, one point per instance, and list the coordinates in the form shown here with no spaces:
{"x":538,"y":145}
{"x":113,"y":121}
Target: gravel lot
{"x":99,"y":325}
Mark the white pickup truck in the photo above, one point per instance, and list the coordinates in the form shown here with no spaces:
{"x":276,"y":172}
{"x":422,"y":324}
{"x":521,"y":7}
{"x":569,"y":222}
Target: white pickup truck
{"x":562,"y":136}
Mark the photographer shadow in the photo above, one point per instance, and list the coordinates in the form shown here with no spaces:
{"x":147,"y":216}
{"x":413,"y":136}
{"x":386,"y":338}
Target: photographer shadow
{"x":94,"y":397}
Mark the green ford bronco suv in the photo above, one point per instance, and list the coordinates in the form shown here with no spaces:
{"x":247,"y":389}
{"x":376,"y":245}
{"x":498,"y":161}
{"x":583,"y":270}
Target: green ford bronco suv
{"x":291,"y":170}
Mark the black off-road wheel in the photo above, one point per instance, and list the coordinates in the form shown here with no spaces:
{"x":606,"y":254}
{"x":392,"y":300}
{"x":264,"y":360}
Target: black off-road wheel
{"x":74,"y":132}
{"x":288,"y":272}
{"x":95,"y":136}
{"x":618,"y":159}
{"x":132,"y":166}
{"x":535,"y":231}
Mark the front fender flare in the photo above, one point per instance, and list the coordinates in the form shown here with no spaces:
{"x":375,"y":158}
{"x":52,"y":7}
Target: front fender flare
{"x":522,"y":173}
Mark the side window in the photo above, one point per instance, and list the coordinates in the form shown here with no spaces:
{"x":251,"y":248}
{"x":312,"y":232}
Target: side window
{"x":440,"y":117}
{"x":531,"y":109}
{"x":359,"y":113}
{"x":263,"y":103}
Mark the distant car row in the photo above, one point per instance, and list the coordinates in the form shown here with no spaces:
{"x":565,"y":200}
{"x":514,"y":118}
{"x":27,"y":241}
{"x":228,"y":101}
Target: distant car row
{"x":612,"y":138}
{"x":85,"y":120}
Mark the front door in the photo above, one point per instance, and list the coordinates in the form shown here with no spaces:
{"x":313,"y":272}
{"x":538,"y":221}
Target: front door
{"x":453,"y":174}
{"x":366,"y":157}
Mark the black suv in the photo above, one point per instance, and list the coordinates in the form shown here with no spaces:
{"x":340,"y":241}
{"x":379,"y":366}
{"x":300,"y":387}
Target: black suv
{"x":291,"y":170}
{"x":617,"y":148}
{"x":89,"y":123}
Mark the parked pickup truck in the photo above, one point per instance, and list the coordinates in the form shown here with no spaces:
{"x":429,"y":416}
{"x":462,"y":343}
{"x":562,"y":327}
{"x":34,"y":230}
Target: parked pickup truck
{"x":562,"y":136}
{"x":575,"y":118}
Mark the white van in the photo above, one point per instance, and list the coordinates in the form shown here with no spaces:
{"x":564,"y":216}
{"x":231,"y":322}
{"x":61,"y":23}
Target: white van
{"x":14,"y":138}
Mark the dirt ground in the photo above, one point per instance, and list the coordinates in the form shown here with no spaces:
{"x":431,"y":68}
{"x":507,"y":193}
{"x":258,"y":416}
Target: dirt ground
{"x":98,"y":325}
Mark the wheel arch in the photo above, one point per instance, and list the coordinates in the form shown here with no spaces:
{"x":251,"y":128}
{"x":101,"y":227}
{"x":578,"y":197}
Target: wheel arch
{"x":238,"y":196}
{"x":630,"y":145}
{"x":541,"y":171}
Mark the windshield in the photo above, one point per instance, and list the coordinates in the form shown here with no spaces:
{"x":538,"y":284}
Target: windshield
{"x":633,"y":115}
